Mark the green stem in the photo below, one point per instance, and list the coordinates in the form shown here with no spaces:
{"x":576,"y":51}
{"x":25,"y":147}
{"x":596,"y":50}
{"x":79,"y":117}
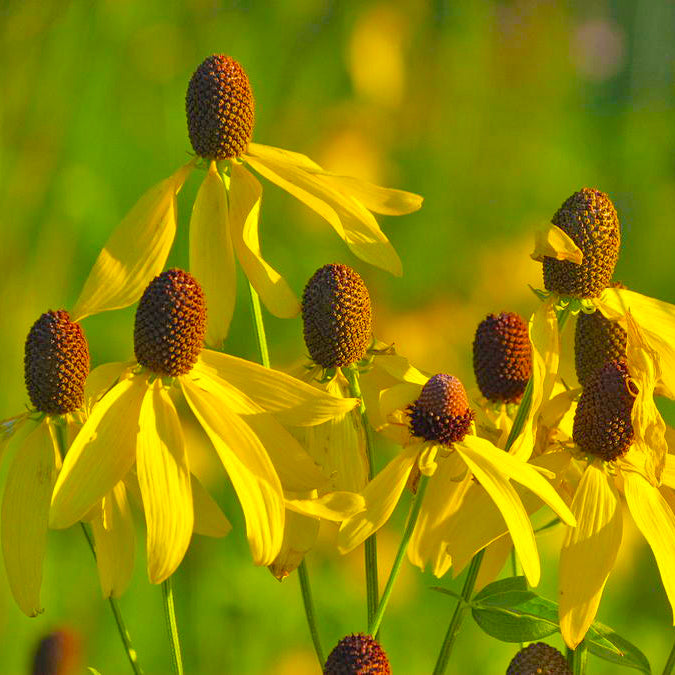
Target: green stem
{"x":372,"y":587}
{"x":309,"y":611}
{"x":668,"y":669}
{"x":259,"y":326}
{"x":172,"y":626}
{"x":374,"y":625}
{"x":132,"y":654}
{"x":521,"y":416}
{"x":576,"y":659}
{"x":458,"y":616}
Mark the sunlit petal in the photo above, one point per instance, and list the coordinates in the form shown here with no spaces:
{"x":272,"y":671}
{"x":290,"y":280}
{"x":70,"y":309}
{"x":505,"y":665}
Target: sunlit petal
{"x":300,"y":535}
{"x":102,"y":379}
{"x":552,"y":242}
{"x":333,"y":506}
{"x":136,"y":251}
{"x":588,"y":553}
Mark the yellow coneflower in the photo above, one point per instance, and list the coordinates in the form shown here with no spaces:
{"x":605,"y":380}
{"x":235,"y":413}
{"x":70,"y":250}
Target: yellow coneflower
{"x":224,"y":222}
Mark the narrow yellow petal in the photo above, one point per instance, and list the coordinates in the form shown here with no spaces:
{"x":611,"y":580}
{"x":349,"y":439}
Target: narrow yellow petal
{"x":300,"y":535}
{"x":113,"y":530}
{"x":136,"y":251}
{"x":102,"y":453}
{"x":349,"y":217}
{"x":552,"y":242}
{"x":496,"y":555}
{"x":102,"y":379}
{"x":25,"y":511}
{"x":656,"y":521}
{"x":212,"y":255}
{"x":668,"y":475}
{"x":334,"y":506}
{"x":381,"y":495}
{"x":210,"y":521}
{"x":249,"y":468}
{"x":244,"y":211}
{"x":164,"y":479}
{"x":500,"y":490}
{"x":9,"y":427}
{"x":588,"y":552}
{"x":291,"y":401}
{"x":283,"y":156}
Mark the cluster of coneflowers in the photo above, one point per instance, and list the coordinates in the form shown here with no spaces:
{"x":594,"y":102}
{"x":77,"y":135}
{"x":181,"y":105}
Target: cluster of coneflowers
{"x":299,"y":447}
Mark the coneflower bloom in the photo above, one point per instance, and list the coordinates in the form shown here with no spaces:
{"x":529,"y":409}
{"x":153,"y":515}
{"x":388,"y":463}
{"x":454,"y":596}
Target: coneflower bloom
{"x":240,"y":405}
{"x":224,"y":224}
{"x":357,"y":654}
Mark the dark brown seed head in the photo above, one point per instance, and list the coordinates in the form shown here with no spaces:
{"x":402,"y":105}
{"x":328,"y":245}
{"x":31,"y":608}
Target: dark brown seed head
{"x":357,"y":655}
{"x":442,"y":412}
{"x":58,"y":653}
{"x":538,"y":659}
{"x":602,"y":422}
{"x":56,"y":364}
{"x":170,"y":324}
{"x":502,"y":357}
{"x":219,"y":106}
{"x":336,"y":316}
{"x":588,"y":217}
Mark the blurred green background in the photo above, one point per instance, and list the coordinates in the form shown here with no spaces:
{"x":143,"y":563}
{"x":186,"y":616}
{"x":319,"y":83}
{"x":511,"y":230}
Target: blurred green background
{"x":494,"y":111}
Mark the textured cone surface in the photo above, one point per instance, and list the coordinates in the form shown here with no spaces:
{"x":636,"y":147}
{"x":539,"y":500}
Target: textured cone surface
{"x":538,"y":659}
{"x":602,"y":422}
{"x":219,"y":107}
{"x":588,"y":217}
{"x":58,"y":653}
{"x":56,"y":364}
{"x":502,"y":357}
{"x":597,"y":341}
{"x":357,"y":655}
{"x":442,"y":412}
{"x":170,"y":324}
{"x":336,"y":316}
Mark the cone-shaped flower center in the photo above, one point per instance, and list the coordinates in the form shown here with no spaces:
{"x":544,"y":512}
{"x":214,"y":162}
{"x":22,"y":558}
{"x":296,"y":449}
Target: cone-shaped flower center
{"x":170,"y":324}
{"x":502,"y":357}
{"x":539,"y":659}
{"x":602,"y":422}
{"x":442,"y":412}
{"x":336,"y":316}
{"x":588,"y":217}
{"x":219,"y":106}
{"x":56,"y":364}
{"x":357,"y":655}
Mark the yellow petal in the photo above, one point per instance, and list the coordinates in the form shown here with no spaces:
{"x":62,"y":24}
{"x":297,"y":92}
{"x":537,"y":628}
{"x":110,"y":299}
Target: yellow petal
{"x":668,"y":475}
{"x":300,"y":535}
{"x":348,"y":217}
{"x":588,"y":553}
{"x":25,"y":511}
{"x":210,"y":521}
{"x":102,"y":453}
{"x":291,"y":401}
{"x":164,"y":479}
{"x":136,"y":251}
{"x":656,"y":521}
{"x":283,"y":156}
{"x":249,"y":468}
{"x":381,"y":495}
{"x":113,"y":530}
{"x":244,"y":210}
{"x":102,"y":379}
{"x":9,"y":427}
{"x":494,"y":559}
{"x":212,"y":256}
{"x":502,"y":493}
{"x":656,"y":320}
{"x":334,"y":506}
{"x":552,"y":242}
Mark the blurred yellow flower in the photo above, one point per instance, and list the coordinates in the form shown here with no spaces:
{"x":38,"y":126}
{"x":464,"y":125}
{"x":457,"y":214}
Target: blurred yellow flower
{"x":225,"y":215}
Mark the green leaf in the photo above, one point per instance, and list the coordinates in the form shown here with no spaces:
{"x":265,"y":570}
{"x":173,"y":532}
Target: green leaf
{"x":604,"y":643}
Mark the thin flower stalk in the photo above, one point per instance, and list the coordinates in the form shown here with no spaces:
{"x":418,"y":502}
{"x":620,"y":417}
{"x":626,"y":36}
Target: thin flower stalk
{"x":172,"y":626}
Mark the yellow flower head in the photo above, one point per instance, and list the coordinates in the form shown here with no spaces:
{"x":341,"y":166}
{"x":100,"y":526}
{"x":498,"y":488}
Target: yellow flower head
{"x":224,"y":223}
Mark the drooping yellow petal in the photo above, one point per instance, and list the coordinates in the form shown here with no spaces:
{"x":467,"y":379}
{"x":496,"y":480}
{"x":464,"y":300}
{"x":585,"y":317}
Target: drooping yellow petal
{"x":284,"y":156}
{"x":102,"y":379}
{"x":212,"y":255}
{"x":249,"y":468}
{"x":349,"y":217}
{"x":552,"y":242}
{"x":210,"y":521}
{"x":25,"y":514}
{"x":164,"y":479}
{"x":588,"y":552}
{"x":502,"y":493}
{"x":244,"y":210}
{"x":656,"y":320}
{"x":668,"y":475}
{"x":9,"y":427}
{"x":494,"y":559}
{"x":102,"y":453}
{"x":381,"y":495}
{"x":656,"y":521}
{"x":300,"y":533}
{"x":136,"y":251}
{"x":291,"y":401}
{"x":113,"y":530}
{"x":334,"y":506}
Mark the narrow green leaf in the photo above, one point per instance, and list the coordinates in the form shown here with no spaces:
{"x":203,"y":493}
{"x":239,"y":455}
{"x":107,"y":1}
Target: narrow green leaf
{"x":619,"y":651}
{"x":502,"y":586}
{"x":446,"y":591}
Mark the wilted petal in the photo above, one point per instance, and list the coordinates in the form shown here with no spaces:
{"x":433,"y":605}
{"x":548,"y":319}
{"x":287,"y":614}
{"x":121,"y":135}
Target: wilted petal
{"x":300,"y":533}
{"x":552,"y":242}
